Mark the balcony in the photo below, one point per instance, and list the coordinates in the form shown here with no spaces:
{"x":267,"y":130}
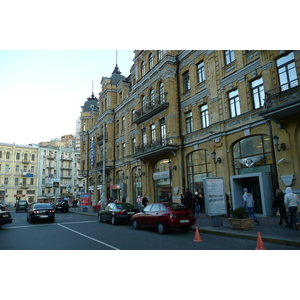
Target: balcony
{"x":154,"y":148}
{"x":26,"y":161}
{"x":100,"y":138}
{"x":149,"y":110}
{"x":282,"y":102}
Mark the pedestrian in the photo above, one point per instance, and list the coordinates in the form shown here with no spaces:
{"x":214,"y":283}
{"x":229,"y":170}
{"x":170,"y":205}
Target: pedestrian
{"x":145,"y":200}
{"x":169,"y":198}
{"x":188,"y":198}
{"x":228,"y":205}
{"x":279,"y":204}
{"x":123,"y":199}
{"x":291,"y":202}
{"x":139,"y":202}
{"x":182,"y":199}
{"x":197,"y":203}
{"x":202,"y":202}
{"x":249,"y":205}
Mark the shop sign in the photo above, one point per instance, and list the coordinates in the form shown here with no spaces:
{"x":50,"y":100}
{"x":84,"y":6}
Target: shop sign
{"x":287,"y":179}
{"x":161,"y":175}
{"x":85,"y":200}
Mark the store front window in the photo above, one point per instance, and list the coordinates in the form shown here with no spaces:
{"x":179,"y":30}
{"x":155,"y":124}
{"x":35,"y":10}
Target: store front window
{"x":137,"y":183}
{"x":162,"y":180}
{"x":198,"y":167}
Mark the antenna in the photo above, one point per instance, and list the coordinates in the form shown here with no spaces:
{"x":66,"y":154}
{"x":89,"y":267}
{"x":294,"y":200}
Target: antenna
{"x":93,"y":87}
{"x":116,"y":57}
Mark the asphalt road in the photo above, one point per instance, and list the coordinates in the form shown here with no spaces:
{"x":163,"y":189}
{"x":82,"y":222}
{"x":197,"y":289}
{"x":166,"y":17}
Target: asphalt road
{"x":81,"y":232}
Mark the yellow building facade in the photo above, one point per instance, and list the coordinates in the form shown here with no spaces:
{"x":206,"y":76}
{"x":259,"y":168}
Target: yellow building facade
{"x":182,"y":116}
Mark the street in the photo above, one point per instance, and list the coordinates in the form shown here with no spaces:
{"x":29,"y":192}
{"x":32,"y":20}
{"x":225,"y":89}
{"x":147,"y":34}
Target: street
{"x":72,"y":231}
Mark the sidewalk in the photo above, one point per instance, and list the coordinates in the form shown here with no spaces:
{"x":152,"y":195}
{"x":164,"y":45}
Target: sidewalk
{"x":268,"y":227}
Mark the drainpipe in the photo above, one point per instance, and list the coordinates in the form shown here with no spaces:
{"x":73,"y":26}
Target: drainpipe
{"x":179,"y":124}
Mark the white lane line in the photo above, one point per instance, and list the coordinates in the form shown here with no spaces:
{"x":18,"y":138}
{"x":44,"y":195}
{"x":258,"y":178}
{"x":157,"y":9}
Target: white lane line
{"x":46,"y":224}
{"x":88,"y":237}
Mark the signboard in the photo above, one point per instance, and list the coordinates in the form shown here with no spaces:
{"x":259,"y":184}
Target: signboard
{"x":85,"y":200}
{"x":215,"y":197}
{"x":92,"y":152}
{"x":161,"y":175}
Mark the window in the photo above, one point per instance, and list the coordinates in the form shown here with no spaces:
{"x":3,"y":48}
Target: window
{"x":144,"y":136}
{"x":229,"y":56}
{"x":117,"y":126}
{"x":163,"y":132}
{"x":18,"y":156}
{"x":17,"y":168}
{"x":257,"y":88}
{"x":32,"y":157}
{"x":123,"y":123}
{"x":287,"y":72}
{"x":7,"y":155}
{"x":204,"y":116}
{"x":133,"y":145}
{"x":143,"y":68}
{"x":16,"y":181}
{"x":132,"y":115}
{"x":186,"y":81}
{"x":151,"y":61}
{"x":161,"y":93}
{"x":6,"y":180}
{"x":144,"y":102}
{"x":159,"y":55}
{"x":189,"y":122}
{"x":200,"y":72}
{"x":153,"y":136}
{"x":152,"y":97}
{"x":7,"y":168}
{"x":123,"y":150}
{"x":234,"y":104}
{"x":0,"y":154}
{"x":118,"y":152}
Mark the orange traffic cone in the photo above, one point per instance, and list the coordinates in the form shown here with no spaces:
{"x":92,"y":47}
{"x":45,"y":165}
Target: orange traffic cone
{"x":260,"y":243}
{"x":197,"y":236}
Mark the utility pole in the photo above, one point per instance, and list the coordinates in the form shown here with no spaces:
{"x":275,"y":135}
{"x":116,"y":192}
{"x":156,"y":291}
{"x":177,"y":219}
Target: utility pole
{"x":103,"y":194}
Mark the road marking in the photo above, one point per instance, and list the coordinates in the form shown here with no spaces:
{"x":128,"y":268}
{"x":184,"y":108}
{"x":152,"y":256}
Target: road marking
{"x":88,"y":237}
{"x":47,"y":224}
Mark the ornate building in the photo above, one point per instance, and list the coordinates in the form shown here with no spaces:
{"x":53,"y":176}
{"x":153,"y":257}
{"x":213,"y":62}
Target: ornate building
{"x":181,"y":116}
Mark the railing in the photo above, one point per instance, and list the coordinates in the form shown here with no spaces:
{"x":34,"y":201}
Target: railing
{"x":282,"y":94}
{"x":150,"y":146}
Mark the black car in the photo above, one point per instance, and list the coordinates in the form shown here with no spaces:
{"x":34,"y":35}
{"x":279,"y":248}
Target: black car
{"x":117,"y":212}
{"x":5,"y":216}
{"x":62,"y":205}
{"x":21,"y":205}
{"x":41,"y":211}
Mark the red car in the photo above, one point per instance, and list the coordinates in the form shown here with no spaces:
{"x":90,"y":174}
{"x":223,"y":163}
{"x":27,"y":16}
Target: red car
{"x":163,"y":216}
{"x":97,"y":207}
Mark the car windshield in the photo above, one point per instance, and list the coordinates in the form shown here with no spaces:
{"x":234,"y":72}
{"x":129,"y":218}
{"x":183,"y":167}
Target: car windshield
{"x":124,"y":205}
{"x":174,"y":205}
{"x":42,"y":206}
{"x":61,"y":201}
{"x":22,"y":202}
{"x":2,"y":207}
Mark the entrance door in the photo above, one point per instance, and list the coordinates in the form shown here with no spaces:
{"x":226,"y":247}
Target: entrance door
{"x":252,"y":184}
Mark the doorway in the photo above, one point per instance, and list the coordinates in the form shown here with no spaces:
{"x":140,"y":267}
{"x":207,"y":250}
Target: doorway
{"x":252,"y":184}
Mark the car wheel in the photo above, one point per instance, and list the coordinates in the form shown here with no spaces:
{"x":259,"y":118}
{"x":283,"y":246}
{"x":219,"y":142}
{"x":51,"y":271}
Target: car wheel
{"x":135,"y":224}
{"x":100,"y":218}
{"x":113,"y":220}
{"x":161,"y":228}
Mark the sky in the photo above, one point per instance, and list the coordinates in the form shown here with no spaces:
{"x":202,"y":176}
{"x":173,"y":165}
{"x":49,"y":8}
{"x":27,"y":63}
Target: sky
{"x":42,"y":91}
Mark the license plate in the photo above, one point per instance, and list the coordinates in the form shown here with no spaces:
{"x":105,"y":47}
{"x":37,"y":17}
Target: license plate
{"x":4,"y":216}
{"x":184,"y":221}
{"x":130,"y":212}
{"x":44,"y":216}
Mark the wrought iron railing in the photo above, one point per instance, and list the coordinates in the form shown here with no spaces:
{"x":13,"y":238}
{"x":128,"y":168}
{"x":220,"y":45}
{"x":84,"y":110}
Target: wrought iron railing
{"x":282,"y":94}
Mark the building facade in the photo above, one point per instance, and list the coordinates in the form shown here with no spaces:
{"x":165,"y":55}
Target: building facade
{"x":181,"y":116}
{"x":18,"y":172}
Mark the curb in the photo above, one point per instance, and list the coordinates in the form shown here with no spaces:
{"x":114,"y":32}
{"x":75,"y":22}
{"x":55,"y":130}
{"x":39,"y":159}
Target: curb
{"x":228,"y":234}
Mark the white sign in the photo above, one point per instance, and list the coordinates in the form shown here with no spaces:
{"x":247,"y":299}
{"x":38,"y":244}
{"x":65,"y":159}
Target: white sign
{"x":161,"y":175}
{"x":215,"y":198}
{"x":287,"y":179}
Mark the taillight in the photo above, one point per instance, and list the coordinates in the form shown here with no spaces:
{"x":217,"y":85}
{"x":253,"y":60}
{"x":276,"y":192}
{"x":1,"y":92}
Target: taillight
{"x":51,"y":210}
{"x":172,"y":215}
{"x":36,"y":212}
{"x":120,"y":212}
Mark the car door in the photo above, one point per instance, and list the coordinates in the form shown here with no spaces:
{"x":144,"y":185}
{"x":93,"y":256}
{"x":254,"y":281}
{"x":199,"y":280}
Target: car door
{"x":143,"y":218}
{"x":154,"y":215}
{"x":107,"y":212}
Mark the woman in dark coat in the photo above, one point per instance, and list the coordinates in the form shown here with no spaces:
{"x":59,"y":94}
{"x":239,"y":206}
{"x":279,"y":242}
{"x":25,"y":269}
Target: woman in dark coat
{"x":279,"y":203}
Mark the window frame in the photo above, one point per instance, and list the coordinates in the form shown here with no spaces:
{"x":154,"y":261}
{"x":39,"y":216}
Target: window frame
{"x":234,"y":102}
{"x":189,"y":122}
{"x":200,"y":72}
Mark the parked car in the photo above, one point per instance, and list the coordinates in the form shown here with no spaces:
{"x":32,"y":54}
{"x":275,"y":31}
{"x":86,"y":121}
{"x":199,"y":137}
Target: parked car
{"x":41,"y":211}
{"x":116,"y":212}
{"x":163,"y":216}
{"x":21,"y":205}
{"x":62,"y":205}
{"x":97,"y":207}
{"x":5,"y":216}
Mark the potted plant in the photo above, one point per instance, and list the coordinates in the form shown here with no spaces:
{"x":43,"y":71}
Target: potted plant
{"x":240,"y":219}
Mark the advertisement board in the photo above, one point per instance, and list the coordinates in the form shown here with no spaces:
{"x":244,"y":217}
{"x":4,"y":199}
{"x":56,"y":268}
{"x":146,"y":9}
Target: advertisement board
{"x":215,"y":197}
{"x":85,"y":200}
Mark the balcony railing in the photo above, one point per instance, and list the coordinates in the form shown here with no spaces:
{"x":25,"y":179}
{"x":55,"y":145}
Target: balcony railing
{"x":150,"y":109}
{"x":282,"y":94}
{"x":100,"y":138}
{"x":154,"y":148}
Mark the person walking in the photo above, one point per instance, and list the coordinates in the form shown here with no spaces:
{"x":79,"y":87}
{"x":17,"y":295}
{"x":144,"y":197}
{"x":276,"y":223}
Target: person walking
{"x":188,"y":198}
{"x":228,"y":206}
{"x":197,"y":203}
{"x":249,"y":205}
{"x":291,"y":202}
{"x":139,"y":203}
{"x":145,"y":200}
{"x":279,"y":203}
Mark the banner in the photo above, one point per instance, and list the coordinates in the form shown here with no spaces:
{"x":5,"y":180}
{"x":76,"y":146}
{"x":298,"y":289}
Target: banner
{"x":85,"y":200}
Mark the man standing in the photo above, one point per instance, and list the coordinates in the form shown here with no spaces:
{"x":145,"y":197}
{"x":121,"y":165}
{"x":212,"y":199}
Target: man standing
{"x":249,"y":205}
{"x":188,"y":198}
{"x":145,"y":200}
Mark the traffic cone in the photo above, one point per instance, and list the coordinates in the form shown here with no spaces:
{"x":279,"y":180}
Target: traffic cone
{"x":260,"y":243}
{"x":197,"y":236}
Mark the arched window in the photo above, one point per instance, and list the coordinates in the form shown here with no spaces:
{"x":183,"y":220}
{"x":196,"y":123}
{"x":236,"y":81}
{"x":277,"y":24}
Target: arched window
{"x":252,"y":154}
{"x":161,"y":93}
{"x":152,"y":97}
{"x":144,"y":102}
{"x":159,"y":56}
{"x":198,"y":167}
{"x":150,"y":61}
{"x":143,"y":68}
